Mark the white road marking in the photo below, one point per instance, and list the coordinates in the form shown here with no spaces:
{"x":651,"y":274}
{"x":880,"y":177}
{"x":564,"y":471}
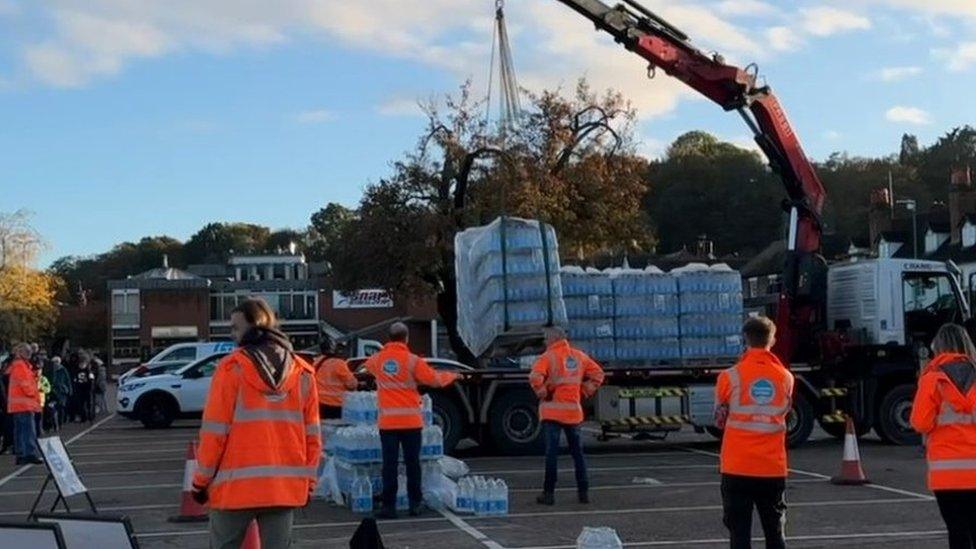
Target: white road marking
{"x":103,"y":509}
{"x":470,"y":530}
{"x":660,"y":485}
{"x":25,"y":468}
{"x":589,"y":455}
{"x":127,"y":461}
{"x":595,"y":469}
{"x":113,"y":474}
{"x":872,"y":485}
{"x":306,"y":526}
{"x":724,"y":541}
{"x":173,"y":451}
{"x":101,"y":489}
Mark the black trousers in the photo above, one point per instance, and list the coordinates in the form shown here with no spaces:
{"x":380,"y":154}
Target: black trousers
{"x":739,"y":496}
{"x":958,"y":508}
{"x":330,"y":412}
{"x":392,"y":440}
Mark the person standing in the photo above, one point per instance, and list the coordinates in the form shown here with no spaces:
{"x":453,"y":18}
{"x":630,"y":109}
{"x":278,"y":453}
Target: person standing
{"x":333,"y":379}
{"x":752,"y":401}
{"x":260,"y":441}
{"x":60,"y":390}
{"x":81,"y":389}
{"x":943,"y":412}
{"x":99,"y":386}
{"x":561,"y":377}
{"x":6,"y":420}
{"x":23,"y":402}
{"x":398,"y":373}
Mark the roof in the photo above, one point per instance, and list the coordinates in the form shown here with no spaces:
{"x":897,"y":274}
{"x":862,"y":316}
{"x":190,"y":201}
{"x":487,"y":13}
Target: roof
{"x":165,"y":273}
{"x":209,"y":270}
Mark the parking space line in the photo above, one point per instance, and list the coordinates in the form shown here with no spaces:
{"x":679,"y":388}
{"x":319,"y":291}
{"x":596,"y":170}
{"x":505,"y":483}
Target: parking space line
{"x":157,"y":445}
{"x":25,"y":468}
{"x":112,"y":473}
{"x":175,"y":451}
{"x":470,"y":530}
{"x":589,"y":455}
{"x":724,"y":541}
{"x":306,"y":526}
{"x":596,"y":469}
{"x":872,"y":485}
{"x":116,"y":461}
{"x":656,"y":486}
{"x":103,"y":509}
{"x":102,"y":489}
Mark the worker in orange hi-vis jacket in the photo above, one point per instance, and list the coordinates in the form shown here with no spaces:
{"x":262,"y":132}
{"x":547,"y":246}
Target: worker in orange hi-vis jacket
{"x":752,"y":401}
{"x":944,"y":410}
{"x":23,"y":402}
{"x":333,"y":379}
{"x":398,"y":373}
{"x":260,"y":441}
{"x":561,"y":377}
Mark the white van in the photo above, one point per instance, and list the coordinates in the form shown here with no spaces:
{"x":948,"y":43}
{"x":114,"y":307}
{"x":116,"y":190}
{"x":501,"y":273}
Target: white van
{"x":176,"y":356}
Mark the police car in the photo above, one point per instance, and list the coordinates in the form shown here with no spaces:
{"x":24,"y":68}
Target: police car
{"x":158,"y":400}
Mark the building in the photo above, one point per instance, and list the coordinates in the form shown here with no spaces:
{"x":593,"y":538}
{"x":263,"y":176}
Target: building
{"x":151,"y":310}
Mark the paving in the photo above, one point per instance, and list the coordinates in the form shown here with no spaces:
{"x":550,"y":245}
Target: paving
{"x":653,"y":493}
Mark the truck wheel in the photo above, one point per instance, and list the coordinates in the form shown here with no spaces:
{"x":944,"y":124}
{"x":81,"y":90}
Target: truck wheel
{"x":156,"y":411}
{"x":448,"y":416}
{"x":799,"y":422}
{"x":893,"y":417}
{"x":839,"y":430}
{"x":514,"y":423}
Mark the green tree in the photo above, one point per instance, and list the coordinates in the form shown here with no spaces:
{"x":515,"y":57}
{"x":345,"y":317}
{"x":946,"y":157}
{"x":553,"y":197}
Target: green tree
{"x":326,"y":229}
{"x":216,"y":242}
{"x":955,"y":149}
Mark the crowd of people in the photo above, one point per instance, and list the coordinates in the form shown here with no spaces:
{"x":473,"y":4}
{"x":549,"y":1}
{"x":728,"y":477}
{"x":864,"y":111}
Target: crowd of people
{"x":40,"y":392}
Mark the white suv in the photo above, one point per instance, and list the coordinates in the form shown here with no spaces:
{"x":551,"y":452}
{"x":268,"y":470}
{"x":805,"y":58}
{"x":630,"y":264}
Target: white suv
{"x":158,"y":400}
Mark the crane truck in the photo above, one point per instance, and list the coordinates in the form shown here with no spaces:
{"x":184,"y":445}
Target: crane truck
{"x":853,"y":333}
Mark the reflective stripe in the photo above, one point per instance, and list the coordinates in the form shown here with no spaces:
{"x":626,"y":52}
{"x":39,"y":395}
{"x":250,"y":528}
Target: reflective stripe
{"x":755,"y":426}
{"x":734,"y":384}
{"x":23,"y":400}
{"x":400,"y":411}
{"x":205,"y":471}
{"x":566,"y":380}
{"x":757,"y":409}
{"x":948,"y":416}
{"x":536,"y":375}
{"x":952,"y":464}
{"x":411,"y":364}
{"x":263,"y":472}
{"x":312,"y":429}
{"x":393,"y":385}
{"x":214,"y":427}
{"x":560,"y":406}
{"x":243,"y":414}
{"x":306,"y":382}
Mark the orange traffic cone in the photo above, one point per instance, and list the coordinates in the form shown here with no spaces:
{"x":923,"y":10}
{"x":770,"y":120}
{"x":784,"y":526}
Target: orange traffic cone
{"x":252,"y":539}
{"x":190,"y":510}
{"x":851,"y":472}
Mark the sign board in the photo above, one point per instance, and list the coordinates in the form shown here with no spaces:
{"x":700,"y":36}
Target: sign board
{"x":58,"y":462}
{"x":33,"y":535}
{"x":162,"y":332}
{"x":362,"y":299}
{"x":83,"y":531}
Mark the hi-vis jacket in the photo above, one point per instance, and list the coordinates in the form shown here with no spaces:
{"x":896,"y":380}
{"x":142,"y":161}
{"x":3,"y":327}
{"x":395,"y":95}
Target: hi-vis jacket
{"x":398,"y":372}
{"x":333,"y":379}
{"x":23,"y":394}
{"x":258,"y":447}
{"x":560,"y":378}
{"x":945,"y":411}
{"x":758,"y":392}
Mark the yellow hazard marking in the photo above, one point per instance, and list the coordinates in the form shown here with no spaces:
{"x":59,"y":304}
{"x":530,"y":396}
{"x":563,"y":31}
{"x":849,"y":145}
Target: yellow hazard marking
{"x":647,"y":420}
{"x":652,"y":392}
{"x":833,"y":392}
{"x":834,"y":417}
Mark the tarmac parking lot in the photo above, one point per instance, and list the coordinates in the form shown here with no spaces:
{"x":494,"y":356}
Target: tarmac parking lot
{"x":655,"y":493}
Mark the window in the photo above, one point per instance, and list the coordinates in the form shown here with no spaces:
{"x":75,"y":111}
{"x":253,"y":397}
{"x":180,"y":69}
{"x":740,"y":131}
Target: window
{"x":125,"y":307}
{"x":933,"y":240}
{"x":207,"y":367}
{"x":183,"y":353}
{"x":968,"y":235}
{"x":931,"y":292}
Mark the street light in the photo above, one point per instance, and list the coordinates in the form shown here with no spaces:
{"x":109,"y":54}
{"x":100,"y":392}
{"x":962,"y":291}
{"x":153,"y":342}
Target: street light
{"x":912,"y":206}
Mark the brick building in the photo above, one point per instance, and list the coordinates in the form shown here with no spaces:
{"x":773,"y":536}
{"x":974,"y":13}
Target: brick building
{"x":157,"y":308}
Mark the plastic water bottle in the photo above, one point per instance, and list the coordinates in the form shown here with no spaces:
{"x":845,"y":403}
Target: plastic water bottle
{"x":428,"y":409}
{"x":465,"y":500}
{"x":503,"y":497}
{"x":362,"y":494}
{"x":436,"y":441}
{"x":377,"y":446}
{"x":402,"y":501}
{"x":480,"y":496}
{"x":494,"y":497}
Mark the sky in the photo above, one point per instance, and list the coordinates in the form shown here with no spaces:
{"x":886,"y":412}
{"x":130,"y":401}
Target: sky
{"x":126,"y":118}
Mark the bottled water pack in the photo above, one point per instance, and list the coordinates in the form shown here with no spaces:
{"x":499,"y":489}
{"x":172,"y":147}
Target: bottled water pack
{"x":360,"y":407}
{"x":711,"y":311}
{"x":482,"y":496}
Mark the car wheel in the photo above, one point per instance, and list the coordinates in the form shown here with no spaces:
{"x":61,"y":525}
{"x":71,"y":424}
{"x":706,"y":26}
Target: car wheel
{"x":156,"y":411}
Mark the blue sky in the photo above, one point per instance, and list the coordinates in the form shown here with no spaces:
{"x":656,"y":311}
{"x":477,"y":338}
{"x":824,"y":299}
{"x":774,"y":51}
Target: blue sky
{"x":129,"y":118}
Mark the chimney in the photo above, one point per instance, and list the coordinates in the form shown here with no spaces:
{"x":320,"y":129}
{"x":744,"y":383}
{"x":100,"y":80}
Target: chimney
{"x":879,"y":213}
{"x":962,"y":200}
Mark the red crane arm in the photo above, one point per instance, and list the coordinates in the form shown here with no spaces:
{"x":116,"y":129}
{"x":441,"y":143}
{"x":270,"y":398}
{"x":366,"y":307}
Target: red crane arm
{"x":733,"y":88}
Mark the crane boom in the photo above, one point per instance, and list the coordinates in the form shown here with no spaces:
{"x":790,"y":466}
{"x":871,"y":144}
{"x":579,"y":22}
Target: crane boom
{"x":666,"y":47}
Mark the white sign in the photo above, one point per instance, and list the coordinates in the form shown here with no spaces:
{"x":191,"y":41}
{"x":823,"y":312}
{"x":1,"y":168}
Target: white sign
{"x":173,"y":331}
{"x":362,"y":299}
{"x":60,"y":466}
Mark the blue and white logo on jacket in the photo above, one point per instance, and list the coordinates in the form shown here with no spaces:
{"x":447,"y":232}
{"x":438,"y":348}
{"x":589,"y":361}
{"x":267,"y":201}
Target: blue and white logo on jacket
{"x":762,"y":391}
{"x":571,"y":363}
{"x":391,"y":367}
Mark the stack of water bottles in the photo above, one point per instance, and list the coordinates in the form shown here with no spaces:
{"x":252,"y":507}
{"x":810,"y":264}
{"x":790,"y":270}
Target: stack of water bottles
{"x":645,"y":315}
{"x":507,"y":280}
{"x":482,"y":496}
{"x":711,"y":310}
{"x":588,"y":295}
{"x":360,"y":407}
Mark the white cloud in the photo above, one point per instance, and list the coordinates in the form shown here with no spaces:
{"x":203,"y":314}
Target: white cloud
{"x":753,"y":8}
{"x":896,"y":74}
{"x":400,"y":106}
{"x":832,"y":135}
{"x":827,"y":21}
{"x":966,"y":8}
{"x":783,"y":38}
{"x":315,"y":116}
{"x":908,"y":115}
{"x":957,"y":59}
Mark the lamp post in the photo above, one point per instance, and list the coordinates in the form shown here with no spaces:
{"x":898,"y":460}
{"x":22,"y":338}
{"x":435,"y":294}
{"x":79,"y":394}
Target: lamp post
{"x":912,"y":206}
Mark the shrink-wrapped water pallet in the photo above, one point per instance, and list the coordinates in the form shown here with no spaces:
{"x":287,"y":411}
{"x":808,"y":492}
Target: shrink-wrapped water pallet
{"x":507,"y":281}
{"x":711,"y":311}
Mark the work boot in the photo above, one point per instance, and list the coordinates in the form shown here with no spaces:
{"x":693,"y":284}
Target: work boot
{"x":584,"y":497}
{"x":546,"y":498}
{"x":386,"y":514}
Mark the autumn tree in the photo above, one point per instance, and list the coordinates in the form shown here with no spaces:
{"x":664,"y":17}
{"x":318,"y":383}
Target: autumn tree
{"x":28,"y":308}
{"x":569,"y":161}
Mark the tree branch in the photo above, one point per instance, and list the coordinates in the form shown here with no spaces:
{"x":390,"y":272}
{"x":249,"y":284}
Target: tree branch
{"x":461,"y":189}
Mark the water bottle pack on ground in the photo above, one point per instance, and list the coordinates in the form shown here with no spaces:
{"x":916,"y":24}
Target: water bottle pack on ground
{"x":482,"y":496}
{"x":507,"y":279}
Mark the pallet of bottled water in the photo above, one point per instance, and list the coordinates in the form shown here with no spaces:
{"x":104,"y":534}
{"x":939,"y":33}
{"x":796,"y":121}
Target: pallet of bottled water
{"x":481,"y":496}
{"x":711,"y":311}
{"x":645,"y":322}
{"x":507,"y":280}
{"x":588,"y":294}
{"x":360,"y":444}
{"x":360,"y":407}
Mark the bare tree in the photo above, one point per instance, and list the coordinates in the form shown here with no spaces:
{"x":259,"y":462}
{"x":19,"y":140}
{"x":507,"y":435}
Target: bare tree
{"x":20,"y":243}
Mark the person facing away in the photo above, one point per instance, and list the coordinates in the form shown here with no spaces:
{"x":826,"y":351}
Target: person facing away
{"x":944,"y":411}
{"x":333,"y":379}
{"x":60,"y":388}
{"x":260,"y":440}
{"x":100,"y":385}
{"x":398,"y":373}
{"x":561,"y":377}
{"x":752,"y":401}
{"x":23,"y":402}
